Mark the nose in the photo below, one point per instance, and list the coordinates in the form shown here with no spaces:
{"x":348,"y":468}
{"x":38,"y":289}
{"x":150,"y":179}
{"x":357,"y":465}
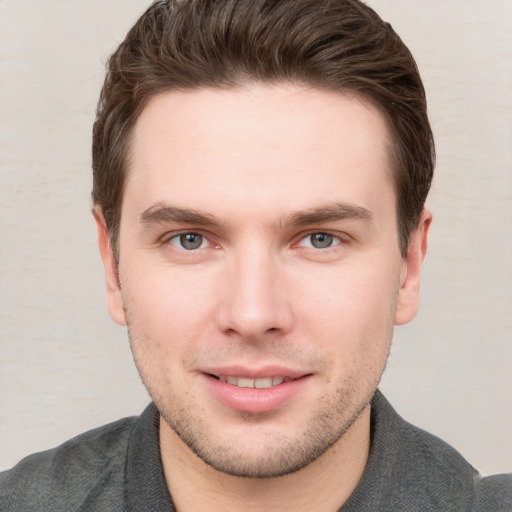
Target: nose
{"x":253,"y":298}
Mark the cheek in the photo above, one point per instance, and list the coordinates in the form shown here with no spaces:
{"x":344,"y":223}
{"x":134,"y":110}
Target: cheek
{"x":167,"y":309}
{"x":349,"y":295}
{"x":350,"y":313}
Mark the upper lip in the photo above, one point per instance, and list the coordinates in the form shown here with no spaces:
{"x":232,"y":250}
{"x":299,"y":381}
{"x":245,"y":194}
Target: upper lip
{"x":255,"y":373}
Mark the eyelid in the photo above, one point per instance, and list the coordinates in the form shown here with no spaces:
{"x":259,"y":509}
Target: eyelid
{"x":173,"y":234}
{"x":170,"y":235}
{"x":340,"y":236}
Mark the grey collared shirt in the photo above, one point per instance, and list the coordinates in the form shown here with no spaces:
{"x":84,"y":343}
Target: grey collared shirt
{"x":118,"y":468}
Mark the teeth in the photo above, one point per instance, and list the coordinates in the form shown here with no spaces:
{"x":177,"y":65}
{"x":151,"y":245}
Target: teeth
{"x":263,"y":383}
{"x":244,"y":383}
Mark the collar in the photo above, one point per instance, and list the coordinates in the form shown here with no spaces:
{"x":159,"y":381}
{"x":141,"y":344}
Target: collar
{"x":145,"y":488}
{"x":406,"y":466}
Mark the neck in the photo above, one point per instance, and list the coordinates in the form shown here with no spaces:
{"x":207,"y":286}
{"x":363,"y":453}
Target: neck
{"x":324,"y":485}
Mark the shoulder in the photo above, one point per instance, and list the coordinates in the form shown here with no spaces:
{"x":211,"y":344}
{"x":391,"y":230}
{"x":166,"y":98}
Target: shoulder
{"x":494,"y":494}
{"x":68,"y":474}
{"x":448,"y":478}
{"x":422,"y":472}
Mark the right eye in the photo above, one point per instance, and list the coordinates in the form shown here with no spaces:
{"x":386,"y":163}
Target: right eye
{"x":189,"y":241}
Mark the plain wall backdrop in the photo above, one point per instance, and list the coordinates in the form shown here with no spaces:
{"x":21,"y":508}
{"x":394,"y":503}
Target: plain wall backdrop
{"x":65,"y":367}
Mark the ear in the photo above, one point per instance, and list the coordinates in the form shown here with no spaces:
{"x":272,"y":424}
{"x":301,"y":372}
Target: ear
{"x":408,"y":294}
{"x":114,"y":296}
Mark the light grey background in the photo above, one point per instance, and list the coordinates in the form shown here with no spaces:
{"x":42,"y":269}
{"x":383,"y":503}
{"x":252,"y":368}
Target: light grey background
{"x":65,"y":367}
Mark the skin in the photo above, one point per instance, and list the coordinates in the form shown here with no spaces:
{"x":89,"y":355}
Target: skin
{"x":256,"y":177}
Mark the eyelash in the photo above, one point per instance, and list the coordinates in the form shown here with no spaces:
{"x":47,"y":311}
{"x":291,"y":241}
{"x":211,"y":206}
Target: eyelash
{"x":337,"y":236}
{"x":176,"y":236}
{"x":337,"y":240}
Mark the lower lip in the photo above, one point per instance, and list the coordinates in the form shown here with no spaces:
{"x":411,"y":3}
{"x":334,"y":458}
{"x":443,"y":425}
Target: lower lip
{"x":252,"y":400}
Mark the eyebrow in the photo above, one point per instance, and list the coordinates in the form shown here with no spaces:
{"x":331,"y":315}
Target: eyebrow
{"x":330,"y":213}
{"x":161,"y":213}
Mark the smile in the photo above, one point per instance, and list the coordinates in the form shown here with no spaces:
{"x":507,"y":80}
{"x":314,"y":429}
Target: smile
{"x":260,"y":383}
{"x":263,"y":391}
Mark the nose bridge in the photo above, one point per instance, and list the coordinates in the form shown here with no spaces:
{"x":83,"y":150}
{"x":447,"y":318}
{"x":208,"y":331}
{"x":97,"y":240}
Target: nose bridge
{"x":253,"y":300}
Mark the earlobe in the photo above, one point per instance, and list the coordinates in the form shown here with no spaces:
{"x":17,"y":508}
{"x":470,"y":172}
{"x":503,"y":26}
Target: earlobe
{"x":410,"y":275}
{"x":114,"y":296}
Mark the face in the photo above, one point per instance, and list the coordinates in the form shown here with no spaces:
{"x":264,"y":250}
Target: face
{"x":260,"y":274}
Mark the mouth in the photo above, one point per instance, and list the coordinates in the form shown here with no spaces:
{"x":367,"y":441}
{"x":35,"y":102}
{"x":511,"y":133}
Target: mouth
{"x":259,"y":383}
{"x":256,"y":391}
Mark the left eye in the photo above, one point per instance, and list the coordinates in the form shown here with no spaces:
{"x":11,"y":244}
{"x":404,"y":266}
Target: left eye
{"x":188,"y":241}
{"x":319,"y":240}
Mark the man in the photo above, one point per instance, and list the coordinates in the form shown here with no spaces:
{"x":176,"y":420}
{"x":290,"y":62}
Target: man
{"x":260,"y":176}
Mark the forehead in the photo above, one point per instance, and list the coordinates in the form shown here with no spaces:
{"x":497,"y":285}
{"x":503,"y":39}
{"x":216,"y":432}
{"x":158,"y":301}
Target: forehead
{"x":279,"y":145}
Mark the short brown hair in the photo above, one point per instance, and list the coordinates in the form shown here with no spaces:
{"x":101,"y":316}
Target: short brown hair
{"x":337,"y":45}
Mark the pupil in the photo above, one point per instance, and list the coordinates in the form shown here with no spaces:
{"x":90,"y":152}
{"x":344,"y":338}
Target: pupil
{"x":191,"y":241}
{"x":321,"y":240}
